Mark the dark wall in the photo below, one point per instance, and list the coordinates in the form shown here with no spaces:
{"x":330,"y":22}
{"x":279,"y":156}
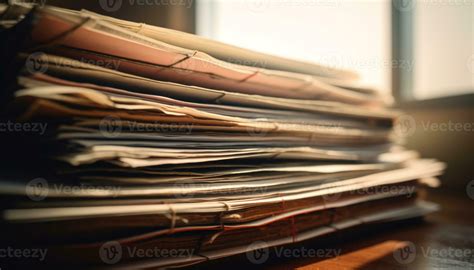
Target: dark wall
{"x":445,"y":130}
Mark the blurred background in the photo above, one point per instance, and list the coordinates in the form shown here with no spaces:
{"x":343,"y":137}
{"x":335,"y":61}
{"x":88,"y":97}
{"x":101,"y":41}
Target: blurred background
{"x":421,"y":52}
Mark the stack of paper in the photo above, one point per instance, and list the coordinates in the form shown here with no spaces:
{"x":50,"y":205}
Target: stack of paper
{"x":157,"y":141}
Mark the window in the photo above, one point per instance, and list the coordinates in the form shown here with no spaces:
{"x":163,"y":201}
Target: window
{"x":344,"y":34}
{"x":443,"y":48}
{"x":356,"y":35}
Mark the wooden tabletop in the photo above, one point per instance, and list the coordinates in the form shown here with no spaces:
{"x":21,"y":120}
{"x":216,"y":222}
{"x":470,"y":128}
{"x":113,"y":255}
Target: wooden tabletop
{"x":443,"y":240}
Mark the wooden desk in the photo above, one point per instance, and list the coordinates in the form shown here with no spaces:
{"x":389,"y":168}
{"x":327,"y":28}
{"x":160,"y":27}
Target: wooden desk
{"x":444,"y":240}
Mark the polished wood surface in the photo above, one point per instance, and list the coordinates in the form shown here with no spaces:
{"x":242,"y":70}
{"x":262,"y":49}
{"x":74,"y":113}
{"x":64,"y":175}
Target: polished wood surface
{"x":443,"y":240}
